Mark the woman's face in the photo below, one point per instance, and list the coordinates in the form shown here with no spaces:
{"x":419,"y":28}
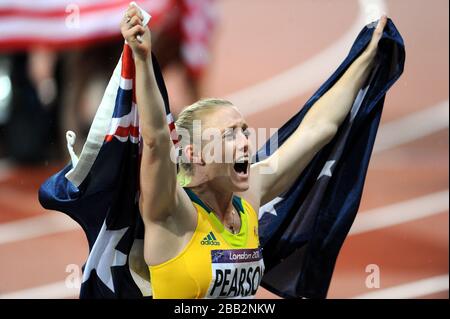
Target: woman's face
{"x":225,"y":150}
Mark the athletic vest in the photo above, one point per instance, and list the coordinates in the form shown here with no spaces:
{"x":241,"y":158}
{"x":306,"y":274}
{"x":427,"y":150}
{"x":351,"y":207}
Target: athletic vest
{"x":215,"y":263}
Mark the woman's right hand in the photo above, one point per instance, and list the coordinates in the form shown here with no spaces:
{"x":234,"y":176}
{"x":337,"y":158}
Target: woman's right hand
{"x":136,"y":34}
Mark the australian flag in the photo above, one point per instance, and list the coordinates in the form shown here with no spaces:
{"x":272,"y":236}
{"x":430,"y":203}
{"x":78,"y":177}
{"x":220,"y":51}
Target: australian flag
{"x":301,"y":231}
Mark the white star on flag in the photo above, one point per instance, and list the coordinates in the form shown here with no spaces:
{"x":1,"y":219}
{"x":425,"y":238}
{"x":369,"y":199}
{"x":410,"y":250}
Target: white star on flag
{"x":269,"y":207}
{"x":326,"y":170}
{"x":104,"y":255}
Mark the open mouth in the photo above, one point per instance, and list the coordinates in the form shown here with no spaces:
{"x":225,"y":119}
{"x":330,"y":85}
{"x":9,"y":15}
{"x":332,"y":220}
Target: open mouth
{"x":241,"y":167}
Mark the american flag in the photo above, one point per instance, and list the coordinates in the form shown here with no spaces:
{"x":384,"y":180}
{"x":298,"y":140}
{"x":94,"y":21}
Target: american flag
{"x":67,"y":24}
{"x":301,"y":231}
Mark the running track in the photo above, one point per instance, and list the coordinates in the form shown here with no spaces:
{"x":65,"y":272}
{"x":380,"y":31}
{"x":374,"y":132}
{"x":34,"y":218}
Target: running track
{"x":269,"y":57}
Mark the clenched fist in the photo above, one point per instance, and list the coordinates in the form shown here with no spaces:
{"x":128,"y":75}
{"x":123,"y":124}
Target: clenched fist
{"x":135,"y":33}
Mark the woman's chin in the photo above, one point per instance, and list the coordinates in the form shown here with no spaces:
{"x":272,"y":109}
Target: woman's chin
{"x":240,"y":182}
{"x":240,"y":186}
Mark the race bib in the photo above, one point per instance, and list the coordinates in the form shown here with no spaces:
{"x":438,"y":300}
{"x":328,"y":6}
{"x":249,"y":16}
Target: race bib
{"x":236,"y":273}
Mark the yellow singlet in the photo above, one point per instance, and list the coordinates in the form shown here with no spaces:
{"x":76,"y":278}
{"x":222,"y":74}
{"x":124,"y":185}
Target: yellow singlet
{"x":215,"y":263}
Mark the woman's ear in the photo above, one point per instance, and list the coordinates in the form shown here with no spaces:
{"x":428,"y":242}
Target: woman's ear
{"x":192,"y":157}
{"x":188,"y":153}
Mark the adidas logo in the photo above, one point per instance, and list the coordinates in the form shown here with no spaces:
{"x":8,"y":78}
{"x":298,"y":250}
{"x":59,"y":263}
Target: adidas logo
{"x":210,"y":240}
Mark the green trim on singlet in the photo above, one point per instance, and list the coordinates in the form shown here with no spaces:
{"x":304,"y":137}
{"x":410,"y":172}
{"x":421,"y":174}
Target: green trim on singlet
{"x":194,"y":198}
{"x":238,"y":240}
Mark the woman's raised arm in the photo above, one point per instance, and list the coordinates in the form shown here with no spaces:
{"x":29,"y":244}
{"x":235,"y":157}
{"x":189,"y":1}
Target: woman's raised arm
{"x":159,"y":191}
{"x":317,"y":128}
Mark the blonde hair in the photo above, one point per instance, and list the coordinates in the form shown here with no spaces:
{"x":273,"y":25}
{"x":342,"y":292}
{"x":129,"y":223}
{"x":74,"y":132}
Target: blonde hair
{"x":185,"y":122}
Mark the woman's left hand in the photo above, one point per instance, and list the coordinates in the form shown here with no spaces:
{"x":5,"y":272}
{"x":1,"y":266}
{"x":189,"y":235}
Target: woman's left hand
{"x":371,"y":49}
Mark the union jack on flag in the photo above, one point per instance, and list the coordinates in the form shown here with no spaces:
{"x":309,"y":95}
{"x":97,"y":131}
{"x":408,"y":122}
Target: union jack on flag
{"x":125,"y":119}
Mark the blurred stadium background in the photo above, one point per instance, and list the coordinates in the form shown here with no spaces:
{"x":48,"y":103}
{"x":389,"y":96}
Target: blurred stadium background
{"x":267,"y":57}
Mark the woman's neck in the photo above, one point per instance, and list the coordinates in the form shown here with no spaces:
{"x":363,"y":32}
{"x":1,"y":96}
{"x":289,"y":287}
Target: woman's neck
{"x":220,"y":202}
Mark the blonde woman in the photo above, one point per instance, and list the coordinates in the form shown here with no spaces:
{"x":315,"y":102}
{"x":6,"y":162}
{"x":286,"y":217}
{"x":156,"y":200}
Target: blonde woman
{"x":201,"y":235}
